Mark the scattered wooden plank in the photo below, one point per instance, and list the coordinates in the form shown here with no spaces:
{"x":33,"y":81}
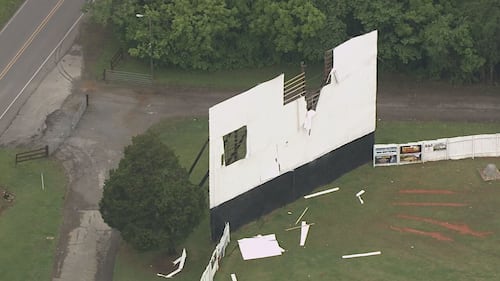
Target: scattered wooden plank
{"x":300,"y":217}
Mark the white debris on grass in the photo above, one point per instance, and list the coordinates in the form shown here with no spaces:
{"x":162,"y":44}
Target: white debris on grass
{"x":304,"y":230}
{"x":321,"y":192}
{"x":260,"y":246}
{"x":362,"y":255}
{"x":300,"y":217}
{"x":179,"y":261}
{"x":297,"y":227}
{"x":359,"y":196}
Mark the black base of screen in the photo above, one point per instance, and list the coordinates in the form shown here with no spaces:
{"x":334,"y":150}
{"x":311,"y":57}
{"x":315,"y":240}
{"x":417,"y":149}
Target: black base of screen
{"x":288,"y":187}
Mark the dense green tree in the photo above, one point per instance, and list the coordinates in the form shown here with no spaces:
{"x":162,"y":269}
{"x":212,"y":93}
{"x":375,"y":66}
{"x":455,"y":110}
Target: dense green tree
{"x":100,"y":11}
{"x":213,"y":34}
{"x":271,"y":32}
{"x":449,"y":48}
{"x":149,"y":198}
{"x":452,"y":39}
{"x":191,"y":35}
{"x":483,"y":17}
{"x":334,"y":31}
{"x":186,"y":33}
{"x":422,"y":36}
{"x":283,"y":28}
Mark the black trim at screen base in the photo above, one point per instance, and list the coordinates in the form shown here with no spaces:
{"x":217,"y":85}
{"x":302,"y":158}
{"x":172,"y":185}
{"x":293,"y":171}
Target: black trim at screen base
{"x":289,"y":186}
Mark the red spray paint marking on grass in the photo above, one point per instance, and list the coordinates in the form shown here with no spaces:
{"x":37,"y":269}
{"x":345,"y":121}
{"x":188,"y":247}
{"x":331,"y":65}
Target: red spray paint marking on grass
{"x":432,"y":204}
{"x":461,"y":228}
{"x":426,"y":191}
{"x":435,"y":235}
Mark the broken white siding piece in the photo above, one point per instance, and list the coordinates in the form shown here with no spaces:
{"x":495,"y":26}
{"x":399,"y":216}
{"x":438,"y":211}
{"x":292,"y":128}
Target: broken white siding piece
{"x":300,"y":217}
{"x":179,"y":261}
{"x":233,"y":277}
{"x":361,"y":255}
{"x":308,"y":120}
{"x":259,"y":247}
{"x":321,"y":192}
{"x":304,"y":230}
{"x":359,"y":196}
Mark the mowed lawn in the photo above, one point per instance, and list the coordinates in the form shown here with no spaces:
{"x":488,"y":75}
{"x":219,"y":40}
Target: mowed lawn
{"x":417,"y":242}
{"x":29,"y":226}
{"x":7,"y":9}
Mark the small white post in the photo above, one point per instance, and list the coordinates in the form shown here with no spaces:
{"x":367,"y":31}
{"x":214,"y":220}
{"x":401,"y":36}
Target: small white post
{"x":43,"y":185}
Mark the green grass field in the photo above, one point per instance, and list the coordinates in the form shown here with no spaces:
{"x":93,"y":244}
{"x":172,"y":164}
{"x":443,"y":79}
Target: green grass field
{"x":344,"y":226}
{"x":7,"y":9}
{"x":29,"y":226}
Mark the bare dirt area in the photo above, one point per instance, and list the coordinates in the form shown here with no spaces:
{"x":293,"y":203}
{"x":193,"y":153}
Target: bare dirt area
{"x":401,"y":98}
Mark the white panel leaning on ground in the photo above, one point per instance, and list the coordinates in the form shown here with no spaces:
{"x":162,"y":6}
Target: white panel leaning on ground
{"x":276,"y":139}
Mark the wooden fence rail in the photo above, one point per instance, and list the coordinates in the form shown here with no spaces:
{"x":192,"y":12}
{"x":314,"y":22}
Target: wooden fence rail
{"x":32,"y":154}
{"x":127,"y":77}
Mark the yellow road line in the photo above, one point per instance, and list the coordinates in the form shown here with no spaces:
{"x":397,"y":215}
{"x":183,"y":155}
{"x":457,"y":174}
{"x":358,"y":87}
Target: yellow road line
{"x":30,"y":39}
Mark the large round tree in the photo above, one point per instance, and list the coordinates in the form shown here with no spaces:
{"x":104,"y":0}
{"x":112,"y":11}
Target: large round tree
{"x":149,"y":197}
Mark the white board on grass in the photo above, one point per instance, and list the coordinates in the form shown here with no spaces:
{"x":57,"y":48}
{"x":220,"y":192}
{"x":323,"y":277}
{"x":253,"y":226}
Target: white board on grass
{"x":321,"y":192}
{"x":362,"y":255}
{"x":304,"y":230}
{"x":259,"y":247}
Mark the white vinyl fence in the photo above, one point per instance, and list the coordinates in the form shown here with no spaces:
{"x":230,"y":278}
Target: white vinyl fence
{"x":435,"y":150}
{"x":217,"y":255}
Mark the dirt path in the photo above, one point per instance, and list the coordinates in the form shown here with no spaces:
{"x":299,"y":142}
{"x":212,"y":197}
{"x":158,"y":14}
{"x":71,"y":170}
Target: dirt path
{"x":401,"y":99}
{"x":88,"y":246}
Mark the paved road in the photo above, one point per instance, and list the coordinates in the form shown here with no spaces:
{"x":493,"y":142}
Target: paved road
{"x":25,"y":43}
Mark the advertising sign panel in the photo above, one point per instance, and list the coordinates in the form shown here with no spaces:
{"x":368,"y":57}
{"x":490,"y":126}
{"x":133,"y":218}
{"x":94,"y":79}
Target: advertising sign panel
{"x":410,"y":153}
{"x":385,"y":155}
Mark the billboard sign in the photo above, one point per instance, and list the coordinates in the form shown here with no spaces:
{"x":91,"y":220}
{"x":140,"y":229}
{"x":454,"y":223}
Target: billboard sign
{"x":410,"y":153}
{"x":385,"y":155}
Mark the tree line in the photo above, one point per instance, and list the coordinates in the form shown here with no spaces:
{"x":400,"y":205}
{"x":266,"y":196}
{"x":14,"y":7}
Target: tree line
{"x":457,"y":40}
